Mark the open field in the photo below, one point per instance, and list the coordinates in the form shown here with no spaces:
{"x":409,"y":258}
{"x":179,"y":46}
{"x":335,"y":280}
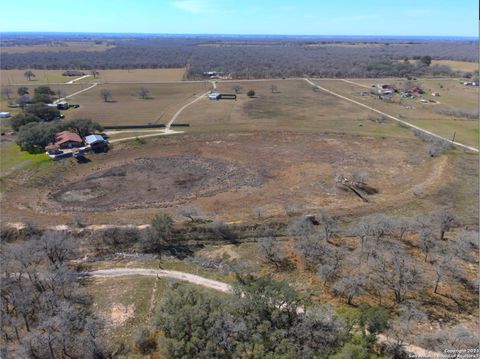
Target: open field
{"x":141,"y":75}
{"x":127,"y":108}
{"x":15,"y":77}
{"x":125,"y":303}
{"x":72,"y":46}
{"x":453,"y":95}
{"x":232,"y":175}
{"x":12,"y":77}
{"x":458,"y":65}
{"x":294,"y":107}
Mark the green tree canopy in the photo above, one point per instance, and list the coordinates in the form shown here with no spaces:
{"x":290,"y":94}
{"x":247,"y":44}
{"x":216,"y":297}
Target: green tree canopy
{"x":46,"y":113}
{"x":22,"y":119}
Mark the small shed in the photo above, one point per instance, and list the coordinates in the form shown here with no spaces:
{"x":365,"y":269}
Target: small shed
{"x":94,"y":139}
{"x":97,"y":143}
{"x":214,"y":96}
{"x":4,"y":114}
{"x":62,"y":105}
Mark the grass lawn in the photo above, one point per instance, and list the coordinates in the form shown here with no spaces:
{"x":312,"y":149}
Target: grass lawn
{"x":12,"y":158}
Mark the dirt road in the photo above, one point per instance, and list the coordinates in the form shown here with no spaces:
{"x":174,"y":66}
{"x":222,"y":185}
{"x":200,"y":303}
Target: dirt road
{"x":182,"y":276}
{"x":221,"y":287}
{"x":169,"y":124}
{"x":157,"y":133}
{"x":408,"y":124}
{"x":77,"y":79}
{"x":76,"y":93}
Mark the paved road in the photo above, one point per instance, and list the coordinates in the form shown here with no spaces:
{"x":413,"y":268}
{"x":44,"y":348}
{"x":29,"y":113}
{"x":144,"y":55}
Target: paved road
{"x":408,"y":124}
{"x":221,"y":287}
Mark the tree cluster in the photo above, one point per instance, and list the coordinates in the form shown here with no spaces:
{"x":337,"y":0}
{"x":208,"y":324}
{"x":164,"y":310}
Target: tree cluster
{"x":262,"y":319}
{"x":45,"y":313}
{"x":35,"y":136}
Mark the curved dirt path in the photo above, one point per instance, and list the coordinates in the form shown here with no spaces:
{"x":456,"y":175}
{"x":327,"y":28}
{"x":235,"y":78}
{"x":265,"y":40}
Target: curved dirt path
{"x":408,"y":124}
{"x":174,"y":117}
{"x":221,"y":287}
{"x":182,"y":276}
{"x":77,"y":93}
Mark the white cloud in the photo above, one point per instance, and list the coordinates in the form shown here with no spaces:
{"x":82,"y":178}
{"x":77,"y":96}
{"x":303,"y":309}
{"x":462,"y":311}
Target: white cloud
{"x":194,"y":6}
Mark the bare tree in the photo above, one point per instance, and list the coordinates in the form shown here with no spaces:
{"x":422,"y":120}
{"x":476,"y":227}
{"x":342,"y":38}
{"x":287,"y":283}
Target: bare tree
{"x":402,"y":225}
{"x":106,"y":95}
{"x":445,"y":220}
{"x":458,"y":337}
{"x":395,"y":270}
{"x":349,"y":286}
{"x":329,"y":224}
{"x":189,"y":212}
{"x":6,"y":92}
{"x":331,"y":263}
{"x":274,"y":88}
{"x":427,"y":242}
{"x":273,"y":253}
{"x":29,"y":74}
{"x":144,"y":93}
{"x":95,"y":74}
{"x":301,"y":227}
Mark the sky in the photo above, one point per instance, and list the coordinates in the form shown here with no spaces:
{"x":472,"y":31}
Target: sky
{"x":273,"y":17}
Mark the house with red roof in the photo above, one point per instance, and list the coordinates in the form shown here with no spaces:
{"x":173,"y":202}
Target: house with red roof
{"x":65,"y":140}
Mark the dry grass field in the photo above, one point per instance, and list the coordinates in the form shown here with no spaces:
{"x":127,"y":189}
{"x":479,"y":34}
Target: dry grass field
{"x":141,"y":75}
{"x":13,"y":77}
{"x":65,"y":46}
{"x":295,"y":106}
{"x":458,"y":65}
{"x":453,"y":95}
{"x":16,"y":77}
{"x":235,"y":173}
{"x":126,"y":107}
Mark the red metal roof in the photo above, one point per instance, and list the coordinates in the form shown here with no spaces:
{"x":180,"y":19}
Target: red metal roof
{"x":65,"y":136}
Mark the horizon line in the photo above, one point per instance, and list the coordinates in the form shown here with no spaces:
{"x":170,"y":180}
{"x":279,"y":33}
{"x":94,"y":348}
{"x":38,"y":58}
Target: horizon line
{"x":241,"y":35}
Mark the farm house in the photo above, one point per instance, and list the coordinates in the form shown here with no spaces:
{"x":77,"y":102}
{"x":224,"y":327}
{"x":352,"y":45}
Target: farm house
{"x":66,"y":140}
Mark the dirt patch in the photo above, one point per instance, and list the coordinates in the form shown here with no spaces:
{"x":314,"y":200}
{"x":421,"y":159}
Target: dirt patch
{"x":121,"y":313}
{"x":161,"y":181}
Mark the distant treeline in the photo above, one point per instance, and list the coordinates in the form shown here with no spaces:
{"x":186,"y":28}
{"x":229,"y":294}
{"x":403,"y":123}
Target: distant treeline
{"x":251,"y":58}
